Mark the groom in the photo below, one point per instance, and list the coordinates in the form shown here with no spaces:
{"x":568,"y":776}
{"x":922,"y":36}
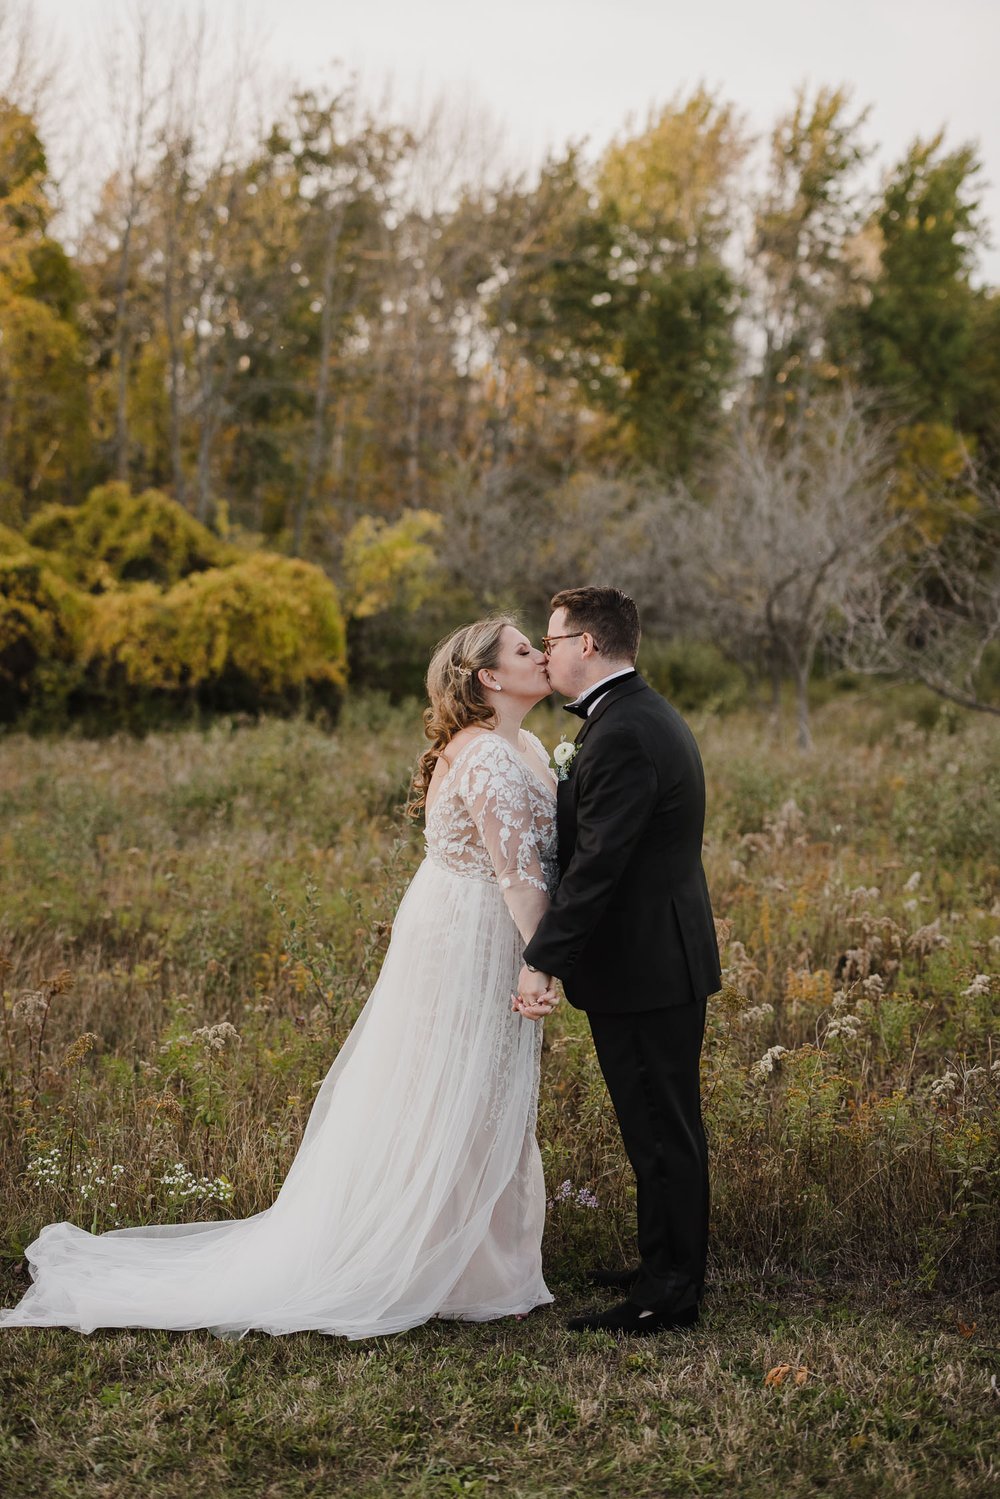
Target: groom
{"x":631,"y":935}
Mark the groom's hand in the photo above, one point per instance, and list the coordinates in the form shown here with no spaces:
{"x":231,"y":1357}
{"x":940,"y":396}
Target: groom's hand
{"x":532,"y":985}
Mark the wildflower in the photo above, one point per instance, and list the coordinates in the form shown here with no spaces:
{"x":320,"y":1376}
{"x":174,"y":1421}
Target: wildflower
{"x":765,"y":1065}
{"x":980,"y":987}
{"x":79,"y":1049}
{"x":912,"y":883}
{"x":31,"y":1007}
{"x":846,"y":1026}
{"x":755,"y":1013}
{"x":742,"y":971}
{"x":182,"y":1185}
{"x":926,"y":938}
{"x":217,"y":1037}
{"x":583,"y":1198}
{"x":176,"y":1041}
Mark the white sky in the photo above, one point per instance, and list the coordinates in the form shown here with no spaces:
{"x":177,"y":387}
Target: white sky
{"x":551,"y":70}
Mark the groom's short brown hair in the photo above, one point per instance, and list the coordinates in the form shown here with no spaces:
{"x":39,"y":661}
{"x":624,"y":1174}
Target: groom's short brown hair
{"x":607,"y":614}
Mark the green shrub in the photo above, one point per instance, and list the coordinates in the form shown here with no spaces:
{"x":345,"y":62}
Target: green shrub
{"x":264,"y":635}
{"x":396,"y":601}
{"x":389,"y":652}
{"x":118,"y":537}
{"x":692,"y":674}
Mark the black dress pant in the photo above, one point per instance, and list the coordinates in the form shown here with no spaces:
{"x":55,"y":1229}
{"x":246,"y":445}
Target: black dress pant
{"x":650,"y":1062}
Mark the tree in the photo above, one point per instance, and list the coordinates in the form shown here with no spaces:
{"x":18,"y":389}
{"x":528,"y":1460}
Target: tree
{"x":668,"y":196}
{"x":916,"y":333}
{"x":931,"y":613}
{"x":793,"y":520}
{"x":43,"y":393}
{"x":342,"y":164}
{"x":804,"y":260}
{"x":611,"y":282}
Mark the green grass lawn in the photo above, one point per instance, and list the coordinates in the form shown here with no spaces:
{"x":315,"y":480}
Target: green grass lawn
{"x":897,"y":1400}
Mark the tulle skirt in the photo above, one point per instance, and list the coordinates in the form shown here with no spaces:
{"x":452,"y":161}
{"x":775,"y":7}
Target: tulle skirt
{"x":417,"y":1190}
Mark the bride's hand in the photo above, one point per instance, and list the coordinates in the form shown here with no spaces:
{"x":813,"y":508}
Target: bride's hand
{"x":536,"y":1008}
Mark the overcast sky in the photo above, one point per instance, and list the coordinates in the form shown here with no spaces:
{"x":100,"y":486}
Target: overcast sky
{"x":551,"y":70}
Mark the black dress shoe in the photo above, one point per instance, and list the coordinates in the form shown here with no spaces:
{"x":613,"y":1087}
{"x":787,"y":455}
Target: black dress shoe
{"x":627,"y":1317}
{"x":619,"y":1280}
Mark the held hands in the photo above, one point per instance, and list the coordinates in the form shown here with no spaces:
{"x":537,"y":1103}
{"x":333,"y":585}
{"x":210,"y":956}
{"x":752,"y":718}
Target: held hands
{"x":535,"y":997}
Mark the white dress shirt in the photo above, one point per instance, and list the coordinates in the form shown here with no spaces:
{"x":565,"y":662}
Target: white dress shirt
{"x":612,"y":676}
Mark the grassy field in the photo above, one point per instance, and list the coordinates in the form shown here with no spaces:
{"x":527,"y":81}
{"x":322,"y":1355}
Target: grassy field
{"x":189,"y":924}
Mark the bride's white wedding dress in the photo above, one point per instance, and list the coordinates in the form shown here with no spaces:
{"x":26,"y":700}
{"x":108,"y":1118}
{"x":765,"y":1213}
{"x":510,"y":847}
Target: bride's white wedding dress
{"x":417,"y":1190}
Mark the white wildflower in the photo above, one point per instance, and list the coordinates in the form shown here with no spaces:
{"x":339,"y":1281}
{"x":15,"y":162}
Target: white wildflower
{"x":218,"y":1037}
{"x":182,"y":1185}
{"x":846,"y":1026}
{"x":980,"y":987}
{"x":765,"y":1065}
{"x":926,"y":938}
{"x":913,"y":881}
{"x":755,"y":1013}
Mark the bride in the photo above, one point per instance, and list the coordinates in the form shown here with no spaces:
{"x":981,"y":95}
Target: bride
{"x":417,"y":1190}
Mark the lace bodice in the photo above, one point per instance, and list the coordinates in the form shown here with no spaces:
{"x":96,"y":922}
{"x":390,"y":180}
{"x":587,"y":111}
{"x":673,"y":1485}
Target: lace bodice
{"x":493,"y":817}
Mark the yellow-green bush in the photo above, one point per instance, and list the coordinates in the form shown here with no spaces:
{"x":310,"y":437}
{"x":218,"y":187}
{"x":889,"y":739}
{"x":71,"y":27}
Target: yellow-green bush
{"x":396,"y":601}
{"x":171,"y":621}
{"x":42,"y":620}
{"x":117,"y":537}
{"x":391,"y":566}
{"x":266,"y":633}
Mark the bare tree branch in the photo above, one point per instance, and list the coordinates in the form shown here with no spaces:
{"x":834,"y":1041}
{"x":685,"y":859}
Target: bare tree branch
{"x":932,"y":614}
{"x":794,"y":521}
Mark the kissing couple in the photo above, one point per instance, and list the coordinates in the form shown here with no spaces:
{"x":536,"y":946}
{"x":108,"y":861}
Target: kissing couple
{"x":417,"y":1190}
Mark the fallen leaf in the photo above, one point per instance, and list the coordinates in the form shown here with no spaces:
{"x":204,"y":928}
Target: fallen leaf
{"x":967,"y":1328}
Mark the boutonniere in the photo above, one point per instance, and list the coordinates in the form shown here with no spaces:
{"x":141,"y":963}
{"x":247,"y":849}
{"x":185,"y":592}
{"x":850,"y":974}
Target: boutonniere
{"x":564,"y":755}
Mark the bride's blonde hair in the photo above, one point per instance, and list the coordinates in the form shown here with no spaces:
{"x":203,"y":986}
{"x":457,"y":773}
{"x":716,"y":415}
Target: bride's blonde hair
{"x":457,"y":697}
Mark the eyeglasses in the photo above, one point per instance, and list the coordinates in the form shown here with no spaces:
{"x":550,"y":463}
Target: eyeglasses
{"x":549,"y":640}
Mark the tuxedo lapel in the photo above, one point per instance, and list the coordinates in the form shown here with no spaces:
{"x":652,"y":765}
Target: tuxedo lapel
{"x":615,"y":693}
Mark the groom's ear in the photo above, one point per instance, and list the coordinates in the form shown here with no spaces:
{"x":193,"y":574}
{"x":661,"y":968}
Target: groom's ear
{"x":589,"y":644}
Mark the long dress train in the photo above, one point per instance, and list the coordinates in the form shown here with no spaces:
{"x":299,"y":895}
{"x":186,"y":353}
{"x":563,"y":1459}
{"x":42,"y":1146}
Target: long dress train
{"x":417,"y":1189}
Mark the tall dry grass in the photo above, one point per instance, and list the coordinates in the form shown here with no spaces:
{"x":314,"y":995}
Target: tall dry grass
{"x":191,"y":922}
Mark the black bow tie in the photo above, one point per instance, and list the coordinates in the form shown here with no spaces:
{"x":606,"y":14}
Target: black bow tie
{"x":580,"y":709}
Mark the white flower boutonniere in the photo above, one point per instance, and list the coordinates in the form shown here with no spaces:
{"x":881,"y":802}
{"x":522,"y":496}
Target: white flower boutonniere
{"x":564,"y":754}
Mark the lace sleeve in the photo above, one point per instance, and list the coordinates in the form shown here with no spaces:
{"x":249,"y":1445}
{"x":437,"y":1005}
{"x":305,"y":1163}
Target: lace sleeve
{"x":497,"y":791}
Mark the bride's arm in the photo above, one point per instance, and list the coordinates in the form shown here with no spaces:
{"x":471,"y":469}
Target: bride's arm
{"x":497,"y":794}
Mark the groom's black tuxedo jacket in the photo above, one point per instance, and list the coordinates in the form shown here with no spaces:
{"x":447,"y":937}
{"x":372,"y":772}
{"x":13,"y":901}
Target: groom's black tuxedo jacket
{"x":630,"y":926}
